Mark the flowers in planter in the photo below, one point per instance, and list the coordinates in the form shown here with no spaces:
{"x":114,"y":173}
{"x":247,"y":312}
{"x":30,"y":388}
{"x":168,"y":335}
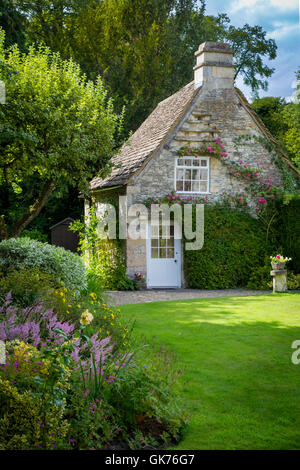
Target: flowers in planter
{"x":139,"y":277}
{"x":279,"y":259}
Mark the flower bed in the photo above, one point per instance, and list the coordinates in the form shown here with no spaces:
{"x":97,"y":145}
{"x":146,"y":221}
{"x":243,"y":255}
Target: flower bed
{"x":73,"y":379}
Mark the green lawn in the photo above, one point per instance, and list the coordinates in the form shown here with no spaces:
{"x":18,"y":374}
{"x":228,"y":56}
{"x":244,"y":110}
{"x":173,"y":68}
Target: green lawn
{"x":240,"y":387}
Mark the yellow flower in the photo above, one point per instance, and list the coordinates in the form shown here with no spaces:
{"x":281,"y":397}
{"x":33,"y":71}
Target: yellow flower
{"x":86,"y":318}
{"x":62,"y":294}
{"x":78,"y":305}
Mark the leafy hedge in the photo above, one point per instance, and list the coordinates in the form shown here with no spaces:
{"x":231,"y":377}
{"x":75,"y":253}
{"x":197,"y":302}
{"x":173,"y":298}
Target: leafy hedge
{"x":20,"y":253}
{"x":287,"y":228}
{"x":234,"y":244}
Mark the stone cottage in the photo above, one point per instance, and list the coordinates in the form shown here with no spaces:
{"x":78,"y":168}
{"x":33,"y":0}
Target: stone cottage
{"x":148,"y":165}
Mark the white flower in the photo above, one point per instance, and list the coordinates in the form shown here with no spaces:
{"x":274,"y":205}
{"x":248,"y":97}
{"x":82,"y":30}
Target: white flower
{"x":86,"y":318}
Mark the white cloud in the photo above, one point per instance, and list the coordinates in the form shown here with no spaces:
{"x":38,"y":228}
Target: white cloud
{"x":264,"y":5}
{"x":283,"y":30}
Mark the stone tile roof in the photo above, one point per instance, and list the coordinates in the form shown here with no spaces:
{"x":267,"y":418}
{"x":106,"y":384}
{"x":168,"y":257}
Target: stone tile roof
{"x":148,"y":138}
{"x":154,"y":131}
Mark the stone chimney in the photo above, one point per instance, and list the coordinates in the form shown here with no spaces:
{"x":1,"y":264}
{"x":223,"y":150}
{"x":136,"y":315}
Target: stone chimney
{"x":214,"y":67}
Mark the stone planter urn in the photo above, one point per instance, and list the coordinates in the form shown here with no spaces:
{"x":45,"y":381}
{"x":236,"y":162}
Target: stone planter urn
{"x":279,"y":274}
{"x":278,"y":266}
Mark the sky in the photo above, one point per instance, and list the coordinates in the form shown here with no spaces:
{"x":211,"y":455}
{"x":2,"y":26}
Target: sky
{"x":280,"y":19}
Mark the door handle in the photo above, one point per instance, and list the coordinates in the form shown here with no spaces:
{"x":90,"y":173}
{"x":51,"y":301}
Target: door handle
{"x":175,"y":260}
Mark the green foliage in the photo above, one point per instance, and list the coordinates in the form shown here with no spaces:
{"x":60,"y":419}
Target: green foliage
{"x":57,"y":129}
{"x":269,"y":109}
{"x":28,"y":421}
{"x":109,"y":266}
{"x":234,"y":244}
{"x":67,"y":267}
{"x":144,"y":50}
{"x":35,"y":234}
{"x":250,"y":46}
{"x":293,"y":281}
{"x":27,"y":285}
{"x":13,"y":22}
{"x":287,"y":227}
{"x":105,"y":257}
{"x":283,"y":120}
{"x":260,"y":278}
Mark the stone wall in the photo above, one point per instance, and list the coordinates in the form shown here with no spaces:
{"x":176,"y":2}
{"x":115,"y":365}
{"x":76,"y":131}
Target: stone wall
{"x":216,"y":113}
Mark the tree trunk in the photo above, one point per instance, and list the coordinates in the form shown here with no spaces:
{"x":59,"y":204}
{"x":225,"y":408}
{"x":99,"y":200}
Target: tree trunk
{"x":33,"y":210}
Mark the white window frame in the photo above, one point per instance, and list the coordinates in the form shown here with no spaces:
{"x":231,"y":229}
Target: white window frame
{"x":193,"y":168}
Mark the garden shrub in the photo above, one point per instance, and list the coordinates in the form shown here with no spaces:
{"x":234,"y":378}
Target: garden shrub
{"x":105,"y":257}
{"x":68,"y":390}
{"x":28,"y":286}
{"x":287,"y":228}
{"x":260,"y":278}
{"x":107,"y":320}
{"x":28,"y":421}
{"x":35,"y":234}
{"x":234,"y":244}
{"x":20,"y":253}
{"x":293,"y":281}
{"x":109,"y":266}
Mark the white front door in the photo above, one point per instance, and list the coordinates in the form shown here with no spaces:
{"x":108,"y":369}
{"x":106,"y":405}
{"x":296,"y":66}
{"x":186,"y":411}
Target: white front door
{"x":163,"y":258}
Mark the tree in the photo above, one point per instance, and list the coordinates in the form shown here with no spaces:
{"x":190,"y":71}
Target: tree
{"x":283,"y":121}
{"x":269,"y":109}
{"x":14,"y":23}
{"x":250,"y":47}
{"x":144,"y":49}
{"x":56,"y":130}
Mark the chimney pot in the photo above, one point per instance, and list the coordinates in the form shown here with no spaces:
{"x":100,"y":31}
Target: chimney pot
{"x":214,"y":68}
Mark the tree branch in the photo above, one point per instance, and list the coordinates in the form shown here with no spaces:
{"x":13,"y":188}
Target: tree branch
{"x":33,"y":210}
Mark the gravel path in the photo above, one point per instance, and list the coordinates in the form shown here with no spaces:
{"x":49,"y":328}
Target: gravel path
{"x":157,"y":295}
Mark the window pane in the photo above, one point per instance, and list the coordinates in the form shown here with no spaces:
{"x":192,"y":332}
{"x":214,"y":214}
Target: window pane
{"x":163,"y":242}
{"x":187,"y":185}
{"x":172,"y":230}
{"x":170,"y":253}
{"x":196,"y":162}
{"x":180,"y":174}
{"x":195,"y":186}
{"x":180,"y":161}
{"x":163,"y":253}
{"x":154,"y":252}
{"x":195,"y":174}
{"x":203,"y":187}
{"x":188,"y":162}
{"x":179,"y":185}
{"x":203,"y":162}
{"x":170,"y":242}
{"x":187,"y":174}
{"x":154,"y":231}
{"x":203,"y":175}
{"x":154,"y":242}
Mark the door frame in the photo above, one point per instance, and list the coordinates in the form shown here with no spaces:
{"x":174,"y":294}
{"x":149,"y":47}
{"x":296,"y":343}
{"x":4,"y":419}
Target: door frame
{"x":148,"y":258}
